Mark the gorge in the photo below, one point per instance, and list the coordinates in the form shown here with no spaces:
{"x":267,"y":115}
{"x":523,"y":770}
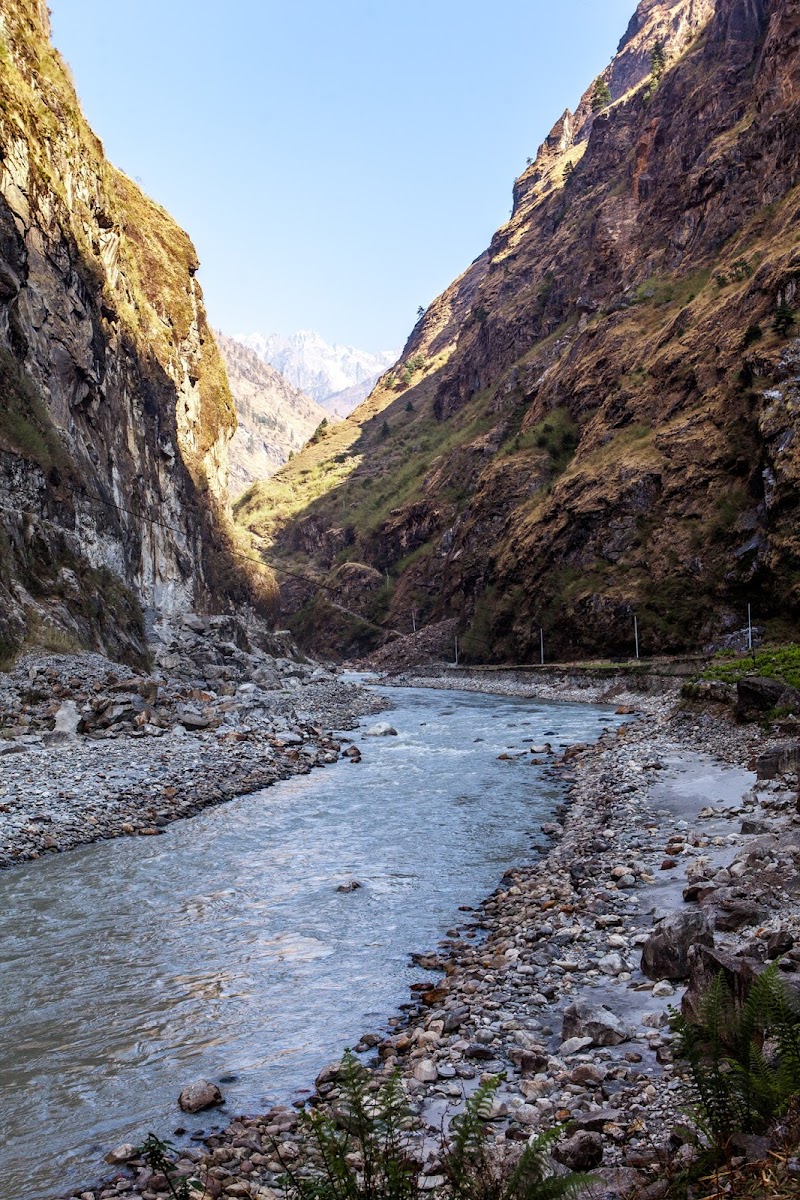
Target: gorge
{"x":461,"y":726}
{"x":599,"y":416}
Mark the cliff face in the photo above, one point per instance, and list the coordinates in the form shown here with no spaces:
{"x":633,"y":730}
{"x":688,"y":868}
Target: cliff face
{"x":274,"y":419}
{"x":600,"y":417}
{"x":115,"y":412}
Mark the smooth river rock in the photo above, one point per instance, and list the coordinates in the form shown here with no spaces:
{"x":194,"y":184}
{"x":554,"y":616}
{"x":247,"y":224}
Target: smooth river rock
{"x":199,"y":1095}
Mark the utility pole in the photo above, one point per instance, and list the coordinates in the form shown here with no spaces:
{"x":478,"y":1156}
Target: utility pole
{"x":636,"y":632}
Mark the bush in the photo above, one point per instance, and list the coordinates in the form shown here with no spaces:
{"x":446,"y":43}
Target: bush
{"x":735,"y":1084}
{"x":319,"y":433}
{"x":753,"y":333}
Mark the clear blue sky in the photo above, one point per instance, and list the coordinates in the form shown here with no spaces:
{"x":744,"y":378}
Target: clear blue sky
{"x":337,"y":162}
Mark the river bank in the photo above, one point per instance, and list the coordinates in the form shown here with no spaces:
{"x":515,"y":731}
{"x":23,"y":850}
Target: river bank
{"x":544,"y":980}
{"x":91,"y":750}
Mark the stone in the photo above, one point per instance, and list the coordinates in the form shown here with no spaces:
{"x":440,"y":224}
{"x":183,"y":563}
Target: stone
{"x":190,"y":718}
{"x":121,"y":1154}
{"x":783,"y":759}
{"x":382,"y":729}
{"x":352,"y":886}
{"x":426,"y":1071}
{"x":611,"y":964}
{"x":756,"y":695}
{"x":582,"y":1152}
{"x":200,"y":1095}
{"x":731,"y":915}
{"x":779,"y":943}
{"x":65,"y":730}
{"x":663,"y":988}
{"x":574,"y":1046}
{"x":594,"y":1021}
{"x":705,"y":963}
{"x":665,"y":953}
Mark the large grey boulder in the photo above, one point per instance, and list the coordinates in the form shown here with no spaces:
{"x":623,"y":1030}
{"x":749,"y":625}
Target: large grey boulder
{"x":595,"y":1021}
{"x":582,"y":1152}
{"x":756,"y":695}
{"x":65,"y":730}
{"x":783,"y":759}
{"x":200,"y":1095}
{"x":666,"y":951}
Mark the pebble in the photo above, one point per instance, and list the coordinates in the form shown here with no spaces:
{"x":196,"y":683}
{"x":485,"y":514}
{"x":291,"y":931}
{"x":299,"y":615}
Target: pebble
{"x":529,"y":995}
{"x":102,"y":751}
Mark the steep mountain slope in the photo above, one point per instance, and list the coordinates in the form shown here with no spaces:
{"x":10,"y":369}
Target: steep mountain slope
{"x":600,"y":416}
{"x":115,"y":413}
{"x":274,"y":419}
{"x":338,"y":377}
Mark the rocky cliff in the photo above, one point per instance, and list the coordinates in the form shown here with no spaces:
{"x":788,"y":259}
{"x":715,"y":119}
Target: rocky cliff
{"x":599,"y":418}
{"x":115,"y":412}
{"x":274,"y":419}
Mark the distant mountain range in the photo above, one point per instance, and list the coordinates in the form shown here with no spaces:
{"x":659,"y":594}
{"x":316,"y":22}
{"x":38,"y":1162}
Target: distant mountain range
{"x":275,"y":418}
{"x":337,"y":377}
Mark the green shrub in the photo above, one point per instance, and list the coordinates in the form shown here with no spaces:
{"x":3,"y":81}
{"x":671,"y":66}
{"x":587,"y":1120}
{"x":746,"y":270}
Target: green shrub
{"x":159,"y":1157}
{"x":734,"y":1086}
{"x":366,"y":1149}
{"x":658,"y":59}
{"x":753,"y":333}
{"x":772,"y":662}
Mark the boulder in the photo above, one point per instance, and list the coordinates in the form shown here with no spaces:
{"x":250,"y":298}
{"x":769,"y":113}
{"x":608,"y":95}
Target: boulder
{"x":705,"y":963}
{"x":200,"y":1095}
{"x":756,"y":695}
{"x":595,"y":1021}
{"x":121,"y":1154}
{"x":666,"y":951}
{"x":783,"y":759}
{"x":426,"y":1071}
{"x":582,"y":1152}
{"x":65,"y":730}
{"x":382,"y":729}
{"x":779,"y":943}
{"x":731,"y":915}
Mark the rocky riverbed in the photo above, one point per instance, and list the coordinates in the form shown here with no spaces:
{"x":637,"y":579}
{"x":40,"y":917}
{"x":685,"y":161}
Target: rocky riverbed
{"x":679,"y":850}
{"x":91,"y":749}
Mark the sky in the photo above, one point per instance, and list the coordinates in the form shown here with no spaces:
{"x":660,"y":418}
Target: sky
{"x":337,"y":163}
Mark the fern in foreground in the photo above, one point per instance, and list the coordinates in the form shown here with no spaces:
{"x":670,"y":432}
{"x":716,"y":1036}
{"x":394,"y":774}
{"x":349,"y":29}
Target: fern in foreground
{"x":364,"y":1149}
{"x":743,"y":1061}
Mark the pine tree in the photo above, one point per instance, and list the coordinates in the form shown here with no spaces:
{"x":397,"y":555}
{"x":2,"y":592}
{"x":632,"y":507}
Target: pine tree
{"x":658,"y":60}
{"x":785,"y":319}
{"x":601,"y":96}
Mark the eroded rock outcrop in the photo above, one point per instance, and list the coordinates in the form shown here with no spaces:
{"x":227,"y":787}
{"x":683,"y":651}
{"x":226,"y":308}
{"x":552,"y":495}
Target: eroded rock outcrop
{"x":115,"y":412}
{"x":600,"y":417}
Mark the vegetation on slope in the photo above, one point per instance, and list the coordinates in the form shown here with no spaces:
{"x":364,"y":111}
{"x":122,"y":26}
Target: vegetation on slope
{"x":599,"y":418}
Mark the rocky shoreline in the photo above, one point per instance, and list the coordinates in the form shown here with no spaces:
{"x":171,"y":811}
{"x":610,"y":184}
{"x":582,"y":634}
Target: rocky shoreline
{"x":544,"y":981}
{"x":91,"y":750}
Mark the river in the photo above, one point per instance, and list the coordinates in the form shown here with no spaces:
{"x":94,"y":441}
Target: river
{"x":223,"y":949}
